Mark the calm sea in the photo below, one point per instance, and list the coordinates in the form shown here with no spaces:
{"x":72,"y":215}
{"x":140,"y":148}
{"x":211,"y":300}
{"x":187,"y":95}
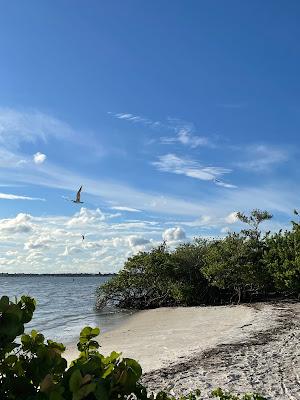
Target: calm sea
{"x":64,"y":304}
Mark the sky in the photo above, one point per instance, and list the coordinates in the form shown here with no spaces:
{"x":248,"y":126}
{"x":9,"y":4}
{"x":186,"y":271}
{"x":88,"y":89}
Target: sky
{"x":173,"y":116}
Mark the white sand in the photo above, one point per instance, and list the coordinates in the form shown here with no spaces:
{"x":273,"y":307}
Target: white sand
{"x":156,"y":337}
{"x":239,"y":348}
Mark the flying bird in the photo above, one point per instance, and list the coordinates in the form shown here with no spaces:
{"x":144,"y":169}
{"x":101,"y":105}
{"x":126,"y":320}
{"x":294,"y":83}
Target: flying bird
{"x":82,"y":237}
{"x":78,"y":196}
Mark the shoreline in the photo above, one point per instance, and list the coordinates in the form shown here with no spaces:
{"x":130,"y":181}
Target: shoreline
{"x":159,"y":336}
{"x":238,"y":348}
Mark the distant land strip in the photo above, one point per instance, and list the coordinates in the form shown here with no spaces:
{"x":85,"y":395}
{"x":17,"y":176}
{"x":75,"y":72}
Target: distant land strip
{"x":58,"y":274}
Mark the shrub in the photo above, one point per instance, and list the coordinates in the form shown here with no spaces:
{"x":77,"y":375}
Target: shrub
{"x":239,"y":267}
{"x":33,"y":369}
{"x":146,"y":281}
{"x":282,"y":259}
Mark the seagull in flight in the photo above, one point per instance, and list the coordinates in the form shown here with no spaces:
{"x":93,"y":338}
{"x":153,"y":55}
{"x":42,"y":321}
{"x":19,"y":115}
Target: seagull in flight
{"x":82,"y":237}
{"x":78,"y":196}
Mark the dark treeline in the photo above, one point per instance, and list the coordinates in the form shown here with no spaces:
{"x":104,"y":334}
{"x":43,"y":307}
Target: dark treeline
{"x":244,"y":266}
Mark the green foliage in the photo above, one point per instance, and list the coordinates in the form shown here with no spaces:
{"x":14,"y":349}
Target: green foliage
{"x":35,"y":370}
{"x":159,"y":278}
{"x":236,"y":264}
{"x":221,"y":395}
{"x":283,"y":259}
{"x":239,"y":267}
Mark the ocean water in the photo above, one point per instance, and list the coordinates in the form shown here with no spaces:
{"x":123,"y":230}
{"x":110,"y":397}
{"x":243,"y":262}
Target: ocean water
{"x":64,"y":304}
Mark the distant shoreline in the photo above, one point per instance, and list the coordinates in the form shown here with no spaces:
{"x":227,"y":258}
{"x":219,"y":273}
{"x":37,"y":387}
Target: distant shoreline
{"x":58,"y":274}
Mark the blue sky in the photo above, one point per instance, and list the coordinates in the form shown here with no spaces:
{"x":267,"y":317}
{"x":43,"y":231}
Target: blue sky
{"x":172,"y":115}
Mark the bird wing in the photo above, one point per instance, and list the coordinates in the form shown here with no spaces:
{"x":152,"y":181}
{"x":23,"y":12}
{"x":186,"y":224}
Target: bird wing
{"x":78,"y":194}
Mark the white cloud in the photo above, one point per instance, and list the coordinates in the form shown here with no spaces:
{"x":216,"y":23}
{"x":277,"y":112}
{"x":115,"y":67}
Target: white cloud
{"x":174,"y":234}
{"x":231,"y":218}
{"x":21,"y":162}
{"x":137,"y":241}
{"x":186,"y":137}
{"x":39,"y":158}
{"x":22,"y":223}
{"x":121,"y":208}
{"x":224,"y":184}
{"x":174,"y":164}
{"x":11,"y":253}
{"x":184,"y":130}
{"x":8,"y":196}
{"x":86,"y":217}
{"x":225,"y":229}
{"x":53,"y":244}
{"x":38,"y":244}
{"x":72,"y":250}
{"x":135,"y":119}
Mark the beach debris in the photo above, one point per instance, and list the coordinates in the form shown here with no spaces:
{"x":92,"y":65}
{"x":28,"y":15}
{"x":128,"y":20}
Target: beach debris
{"x":245,"y":325}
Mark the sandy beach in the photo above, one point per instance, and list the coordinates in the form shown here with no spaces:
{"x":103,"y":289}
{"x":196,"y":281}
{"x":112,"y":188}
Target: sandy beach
{"x":240,"y":348}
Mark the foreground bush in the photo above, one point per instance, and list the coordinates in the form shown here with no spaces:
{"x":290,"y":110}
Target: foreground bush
{"x":240,"y":267}
{"x":33,"y":369}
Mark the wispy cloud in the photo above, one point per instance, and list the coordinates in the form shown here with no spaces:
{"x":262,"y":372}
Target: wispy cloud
{"x":8,"y":196}
{"x":187,"y":138}
{"x":184,"y":131}
{"x":123,"y":208}
{"x":32,"y":126}
{"x":174,"y":164}
{"x":224,"y":184}
{"x":29,"y":126}
{"x":135,"y":119}
{"x":262,"y":158}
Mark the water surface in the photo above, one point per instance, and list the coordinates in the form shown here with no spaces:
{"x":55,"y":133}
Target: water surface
{"x":64,"y":304}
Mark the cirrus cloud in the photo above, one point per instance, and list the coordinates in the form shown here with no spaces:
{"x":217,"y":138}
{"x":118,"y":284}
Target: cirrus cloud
{"x":192,"y":169}
{"x":9,"y":196}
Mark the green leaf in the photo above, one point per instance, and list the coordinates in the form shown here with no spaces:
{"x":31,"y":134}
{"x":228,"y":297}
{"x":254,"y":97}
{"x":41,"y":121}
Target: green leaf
{"x":75,"y":381}
{"x":101,"y":392}
{"x":134,"y":366}
{"x":93,"y":344}
{"x":112,"y":357}
{"x":4,"y":302}
{"x":84,"y":391}
{"x":108,"y":371}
